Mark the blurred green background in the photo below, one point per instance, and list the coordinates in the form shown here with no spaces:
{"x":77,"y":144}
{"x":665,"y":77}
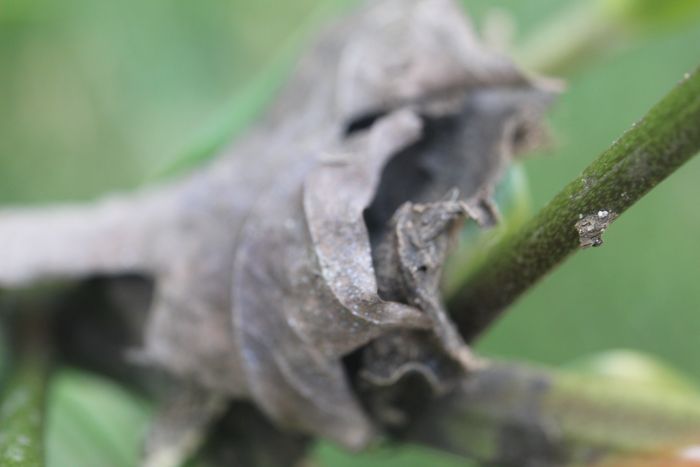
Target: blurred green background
{"x":100,"y":95}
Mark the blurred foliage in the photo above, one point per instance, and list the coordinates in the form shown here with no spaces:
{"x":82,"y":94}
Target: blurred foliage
{"x":21,"y":412}
{"x":100,"y":95}
{"x":399,"y":456}
{"x":93,"y":423}
{"x":651,"y":14}
{"x":635,"y":368}
{"x":639,"y":291}
{"x":585,"y":30}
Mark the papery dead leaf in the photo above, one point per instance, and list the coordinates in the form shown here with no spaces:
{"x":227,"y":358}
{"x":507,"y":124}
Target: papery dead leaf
{"x":323,"y":230}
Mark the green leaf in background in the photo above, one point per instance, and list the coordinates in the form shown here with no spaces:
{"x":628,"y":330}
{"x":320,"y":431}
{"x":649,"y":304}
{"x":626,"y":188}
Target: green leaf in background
{"x":508,"y":412}
{"x":646,"y":15}
{"x":251,"y":99}
{"x":325,"y":455}
{"x":22,"y":413}
{"x":636,"y":367}
{"x":585,"y":30}
{"x":4,"y":357}
{"x":615,"y":411}
{"x":93,"y":423}
{"x":100,"y":95}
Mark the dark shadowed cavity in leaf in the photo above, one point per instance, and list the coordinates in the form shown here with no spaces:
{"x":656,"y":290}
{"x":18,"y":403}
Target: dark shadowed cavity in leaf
{"x":459,"y":158}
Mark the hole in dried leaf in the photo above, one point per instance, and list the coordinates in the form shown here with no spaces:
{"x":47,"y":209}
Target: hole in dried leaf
{"x":363,"y":122}
{"x":101,"y":320}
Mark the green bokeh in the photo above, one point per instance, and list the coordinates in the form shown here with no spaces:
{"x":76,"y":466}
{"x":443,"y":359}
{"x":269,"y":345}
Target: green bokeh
{"x":93,"y":423}
{"x":640,"y":289}
{"x":99,"y":95}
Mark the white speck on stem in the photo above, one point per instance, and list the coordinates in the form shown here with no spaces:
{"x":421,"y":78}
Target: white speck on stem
{"x":602,"y":214}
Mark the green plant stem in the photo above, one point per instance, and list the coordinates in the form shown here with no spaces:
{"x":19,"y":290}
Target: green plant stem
{"x":645,"y":155}
{"x":570,"y":40}
{"x":586,"y":30}
{"x":22,"y":400}
{"x":509,"y":412}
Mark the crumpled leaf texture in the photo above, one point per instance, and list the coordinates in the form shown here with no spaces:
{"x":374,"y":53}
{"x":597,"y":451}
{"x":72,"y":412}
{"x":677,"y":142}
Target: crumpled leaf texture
{"x":324,"y":230}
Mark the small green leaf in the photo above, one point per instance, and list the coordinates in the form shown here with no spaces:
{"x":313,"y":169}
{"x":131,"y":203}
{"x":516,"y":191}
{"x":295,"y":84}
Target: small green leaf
{"x":638,"y":368}
{"x":651,"y":14}
{"x":506,"y":412}
{"x":93,"y":422}
{"x":22,"y":414}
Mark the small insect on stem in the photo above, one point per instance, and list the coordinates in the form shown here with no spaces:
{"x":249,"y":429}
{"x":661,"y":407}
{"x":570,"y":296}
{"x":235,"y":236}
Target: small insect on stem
{"x":591,"y":227}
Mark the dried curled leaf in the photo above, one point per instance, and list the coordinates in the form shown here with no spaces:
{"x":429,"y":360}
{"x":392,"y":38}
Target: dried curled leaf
{"x":324,"y":231}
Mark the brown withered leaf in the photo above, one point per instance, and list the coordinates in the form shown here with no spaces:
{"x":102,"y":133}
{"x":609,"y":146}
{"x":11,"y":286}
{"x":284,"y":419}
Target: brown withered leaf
{"x":324,"y":230}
